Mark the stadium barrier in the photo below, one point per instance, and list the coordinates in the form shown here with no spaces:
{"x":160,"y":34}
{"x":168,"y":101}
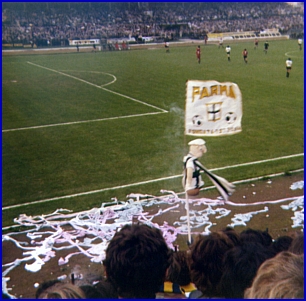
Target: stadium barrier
{"x":212,"y":39}
{"x":84,"y":42}
{"x":234,"y":36}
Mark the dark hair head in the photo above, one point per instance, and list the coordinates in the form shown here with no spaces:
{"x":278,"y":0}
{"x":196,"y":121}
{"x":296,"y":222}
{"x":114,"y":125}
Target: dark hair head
{"x":240,"y":266}
{"x":282,"y":243}
{"x":233,"y":235}
{"x":101,"y":290}
{"x":136,"y":261}
{"x":178,"y":271}
{"x":206,"y":258}
{"x":251,"y":235}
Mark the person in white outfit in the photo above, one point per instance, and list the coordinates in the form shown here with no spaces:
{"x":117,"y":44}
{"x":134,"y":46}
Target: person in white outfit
{"x":300,"y":42}
{"x":192,"y":180}
{"x":288,"y":66}
{"x":228,"y":52}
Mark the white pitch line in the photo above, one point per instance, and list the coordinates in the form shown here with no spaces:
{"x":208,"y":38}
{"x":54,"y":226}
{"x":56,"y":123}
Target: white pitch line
{"x":211,"y":187}
{"x":259,"y":162}
{"x":78,"y":122}
{"x":145,"y":182}
{"x":287,"y":54}
{"x":62,"y":73}
{"x":100,"y":87}
{"x":136,"y":100}
{"x":94,"y":120}
{"x":98,"y":72}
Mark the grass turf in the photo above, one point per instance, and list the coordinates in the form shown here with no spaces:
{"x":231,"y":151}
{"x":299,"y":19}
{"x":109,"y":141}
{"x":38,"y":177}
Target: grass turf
{"x":108,"y":150}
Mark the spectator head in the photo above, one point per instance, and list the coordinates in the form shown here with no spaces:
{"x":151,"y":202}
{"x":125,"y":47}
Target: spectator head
{"x":45,"y":285}
{"x":282,"y":243}
{"x":101,"y":290}
{"x":240,"y":266}
{"x":61,"y":290}
{"x":206,"y":256}
{"x":233,"y":235}
{"x":178,"y":271}
{"x":297,"y":245}
{"x":281,"y":277}
{"x":262,"y":237}
{"x":136,"y":261}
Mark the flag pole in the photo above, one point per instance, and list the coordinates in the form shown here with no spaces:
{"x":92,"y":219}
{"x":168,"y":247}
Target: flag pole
{"x":188,"y":220}
{"x":187,"y":204}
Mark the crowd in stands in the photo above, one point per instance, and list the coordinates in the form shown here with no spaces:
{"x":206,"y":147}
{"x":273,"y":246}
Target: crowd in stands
{"x":223,"y":264}
{"x":51,"y":24}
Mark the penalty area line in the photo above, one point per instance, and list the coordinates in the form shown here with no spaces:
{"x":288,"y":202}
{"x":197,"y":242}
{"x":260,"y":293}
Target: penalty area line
{"x":135,"y":100}
{"x":99,"y":87}
{"x":152,"y":181}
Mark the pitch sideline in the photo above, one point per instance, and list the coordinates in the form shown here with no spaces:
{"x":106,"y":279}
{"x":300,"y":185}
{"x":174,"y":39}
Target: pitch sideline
{"x":162,"y":179}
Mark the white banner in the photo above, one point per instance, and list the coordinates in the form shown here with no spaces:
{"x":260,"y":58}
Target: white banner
{"x":84,"y":42}
{"x":212,"y":108}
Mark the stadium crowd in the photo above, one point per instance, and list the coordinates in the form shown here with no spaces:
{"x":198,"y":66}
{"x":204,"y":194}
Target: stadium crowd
{"x":52,"y":24}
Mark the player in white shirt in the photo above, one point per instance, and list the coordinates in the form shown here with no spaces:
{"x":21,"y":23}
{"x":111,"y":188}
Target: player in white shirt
{"x":288,"y":66}
{"x":228,"y":52}
{"x":300,"y":41}
{"x":167,"y":46}
{"x":221,"y":42}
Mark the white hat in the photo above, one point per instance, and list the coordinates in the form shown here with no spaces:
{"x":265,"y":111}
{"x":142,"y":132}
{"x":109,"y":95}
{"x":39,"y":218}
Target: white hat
{"x":197,"y":142}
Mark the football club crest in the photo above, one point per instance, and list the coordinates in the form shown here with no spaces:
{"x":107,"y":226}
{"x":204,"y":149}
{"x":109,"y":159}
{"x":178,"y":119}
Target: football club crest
{"x":212,"y":108}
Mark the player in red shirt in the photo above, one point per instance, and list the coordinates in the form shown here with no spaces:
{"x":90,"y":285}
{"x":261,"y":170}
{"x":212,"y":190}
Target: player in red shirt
{"x":245,"y":55}
{"x":198,"y":53}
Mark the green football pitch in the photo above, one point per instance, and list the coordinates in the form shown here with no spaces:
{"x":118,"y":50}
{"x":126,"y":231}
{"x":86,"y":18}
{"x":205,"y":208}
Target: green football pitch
{"x":81,"y":128}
